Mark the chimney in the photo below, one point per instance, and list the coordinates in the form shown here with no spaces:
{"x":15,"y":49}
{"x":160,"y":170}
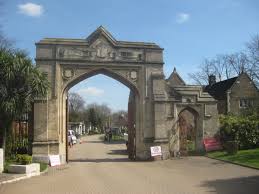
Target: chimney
{"x":212,"y":79}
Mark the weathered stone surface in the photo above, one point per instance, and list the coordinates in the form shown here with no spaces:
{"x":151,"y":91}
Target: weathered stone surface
{"x":30,"y":169}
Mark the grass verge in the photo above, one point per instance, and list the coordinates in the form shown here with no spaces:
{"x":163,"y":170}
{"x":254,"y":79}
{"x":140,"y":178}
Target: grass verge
{"x":43,"y":166}
{"x":248,"y":158}
{"x":117,"y":138}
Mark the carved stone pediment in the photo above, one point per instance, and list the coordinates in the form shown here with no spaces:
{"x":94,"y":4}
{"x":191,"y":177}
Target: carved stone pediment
{"x":102,"y":49}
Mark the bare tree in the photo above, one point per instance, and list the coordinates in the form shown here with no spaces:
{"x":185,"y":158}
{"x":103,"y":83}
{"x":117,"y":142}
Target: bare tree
{"x":120,"y":118}
{"x":253,"y":57}
{"x":201,"y":77}
{"x":76,"y":102}
{"x":102,"y":114}
{"x":217,"y":66}
{"x":227,"y":66}
{"x":239,"y":62}
{"x":221,"y":67}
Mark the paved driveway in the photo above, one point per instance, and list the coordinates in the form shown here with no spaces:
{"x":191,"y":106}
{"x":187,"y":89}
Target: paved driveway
{"x":99,"y":168}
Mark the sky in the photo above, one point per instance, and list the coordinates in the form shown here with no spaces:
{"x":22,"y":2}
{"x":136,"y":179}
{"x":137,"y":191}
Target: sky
{"x":188,"y":30}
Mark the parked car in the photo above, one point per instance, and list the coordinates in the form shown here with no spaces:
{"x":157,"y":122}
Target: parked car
{"x":72,"y":133}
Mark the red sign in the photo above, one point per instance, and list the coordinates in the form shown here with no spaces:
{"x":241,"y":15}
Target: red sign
{"x":212,"y":144}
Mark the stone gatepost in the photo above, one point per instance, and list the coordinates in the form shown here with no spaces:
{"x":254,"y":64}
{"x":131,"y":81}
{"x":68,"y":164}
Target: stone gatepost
{"x":160,"y":113}
{"x":46,"y":141}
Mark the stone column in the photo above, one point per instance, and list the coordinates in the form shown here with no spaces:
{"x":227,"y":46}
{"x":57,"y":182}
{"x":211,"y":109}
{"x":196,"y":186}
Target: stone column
{"x":159,"y":102}
{"x":46,"y":140}
{"x":160,"y":113}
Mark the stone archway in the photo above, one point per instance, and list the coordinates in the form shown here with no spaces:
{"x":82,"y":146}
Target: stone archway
{"x":138,"y":65}
{"x":187,"y":128}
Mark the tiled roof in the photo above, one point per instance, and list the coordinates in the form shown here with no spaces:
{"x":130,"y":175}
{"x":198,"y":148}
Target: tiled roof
{"x":219,"y":89}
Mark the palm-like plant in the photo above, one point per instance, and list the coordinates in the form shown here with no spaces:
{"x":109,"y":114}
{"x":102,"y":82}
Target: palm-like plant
{"x":20,"y":83}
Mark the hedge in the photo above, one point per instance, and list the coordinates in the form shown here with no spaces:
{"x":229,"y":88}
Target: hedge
{"x":243,"y":129}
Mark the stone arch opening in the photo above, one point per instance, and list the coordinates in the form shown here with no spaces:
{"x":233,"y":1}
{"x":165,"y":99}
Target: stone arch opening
{"x":188,"y":130}
{"x":105,"y":71}
{"x":133,"y":119}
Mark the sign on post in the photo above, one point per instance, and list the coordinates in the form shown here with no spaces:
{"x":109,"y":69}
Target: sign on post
{"x":54,"y":160}
{"x":156,"y":151}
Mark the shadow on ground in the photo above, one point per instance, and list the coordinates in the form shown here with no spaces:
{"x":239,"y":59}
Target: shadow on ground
{"x":106,"y":142}
{"x":118,"y":152}
{"x":246,"y":185}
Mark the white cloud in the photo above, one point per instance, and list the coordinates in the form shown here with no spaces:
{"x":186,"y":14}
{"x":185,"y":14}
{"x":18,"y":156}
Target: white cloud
{"x":31,"y":9}
{"x":182,"y":18}
{"x":90,"y":91}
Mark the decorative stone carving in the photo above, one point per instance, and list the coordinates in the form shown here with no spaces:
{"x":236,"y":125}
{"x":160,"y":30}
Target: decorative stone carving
{"x":73,"y":53}
{"x":133,"y":75}
{"x":189,"y":99}
{"x":100,"y":49}
{"x":68,"y":73}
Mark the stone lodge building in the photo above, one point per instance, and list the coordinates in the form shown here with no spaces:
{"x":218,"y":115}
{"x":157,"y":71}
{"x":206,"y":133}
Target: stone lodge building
{"x":234,"y":94}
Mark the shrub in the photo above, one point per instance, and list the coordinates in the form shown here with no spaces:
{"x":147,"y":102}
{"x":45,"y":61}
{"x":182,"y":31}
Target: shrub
{"x":231,"y":147}
{"x":243,"y":129}
{"x":23,"y":159}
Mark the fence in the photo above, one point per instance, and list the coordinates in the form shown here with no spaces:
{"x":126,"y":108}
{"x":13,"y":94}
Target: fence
{"x":19,"y":140}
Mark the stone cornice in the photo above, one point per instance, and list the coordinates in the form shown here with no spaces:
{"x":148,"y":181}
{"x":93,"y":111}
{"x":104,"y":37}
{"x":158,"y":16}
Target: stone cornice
{"x":101,"y":31}
{"x":95,"y":61}
{"x":82,"y":42}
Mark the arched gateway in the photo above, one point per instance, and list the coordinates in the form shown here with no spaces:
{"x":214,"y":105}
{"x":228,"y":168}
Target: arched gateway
{"x":137,"y":65}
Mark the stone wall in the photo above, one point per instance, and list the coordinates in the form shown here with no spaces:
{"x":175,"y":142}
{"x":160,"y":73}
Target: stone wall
{"x":201,"y":104}
{"x":243,"y":88}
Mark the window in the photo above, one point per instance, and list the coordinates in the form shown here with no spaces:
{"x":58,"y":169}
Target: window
{"x":139,"y":57}
{"x":244,"y":103}
{"x":126,"y":54}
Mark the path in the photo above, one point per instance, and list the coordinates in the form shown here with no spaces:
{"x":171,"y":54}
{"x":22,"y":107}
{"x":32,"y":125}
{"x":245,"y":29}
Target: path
{"x":99,"y":168}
